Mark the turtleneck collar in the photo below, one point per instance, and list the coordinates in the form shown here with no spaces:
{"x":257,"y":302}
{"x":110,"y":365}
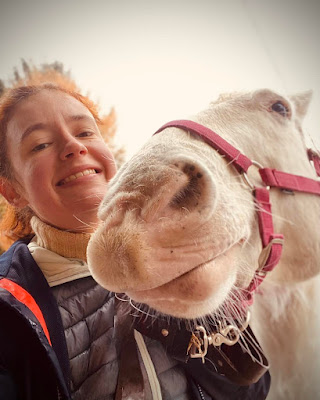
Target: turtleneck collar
{"x":66,"y":244}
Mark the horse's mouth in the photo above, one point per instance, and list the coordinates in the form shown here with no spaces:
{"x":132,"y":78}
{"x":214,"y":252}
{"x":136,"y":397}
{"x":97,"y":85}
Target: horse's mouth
{"x":175,"y":280}
{"x":196,"y":285}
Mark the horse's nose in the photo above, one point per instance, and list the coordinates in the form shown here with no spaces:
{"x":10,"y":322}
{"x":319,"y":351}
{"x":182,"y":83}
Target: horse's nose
{"x":187,"y":188}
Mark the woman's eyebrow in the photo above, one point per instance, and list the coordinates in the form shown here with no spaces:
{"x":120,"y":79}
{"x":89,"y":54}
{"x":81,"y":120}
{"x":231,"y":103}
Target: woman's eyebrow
{"x":79,"y":117}
{"x":31,"y":129}
{"x":40,"y":125}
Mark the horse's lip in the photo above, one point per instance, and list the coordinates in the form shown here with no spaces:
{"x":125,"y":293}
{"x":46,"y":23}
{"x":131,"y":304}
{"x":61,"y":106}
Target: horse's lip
{"x":174,"y":279}
{"x":199,"y":266}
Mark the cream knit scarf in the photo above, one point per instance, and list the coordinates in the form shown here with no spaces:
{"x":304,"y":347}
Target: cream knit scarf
{"x":61,"y":255}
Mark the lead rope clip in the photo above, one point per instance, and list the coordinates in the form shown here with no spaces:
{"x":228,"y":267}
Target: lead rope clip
{"x":200,"y":340}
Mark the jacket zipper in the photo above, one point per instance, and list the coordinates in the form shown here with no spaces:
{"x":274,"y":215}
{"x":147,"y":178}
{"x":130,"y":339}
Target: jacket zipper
{"x":200,"y":392}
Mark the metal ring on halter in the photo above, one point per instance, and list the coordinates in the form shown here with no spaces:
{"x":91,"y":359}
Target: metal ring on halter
{"x":246,"y":178}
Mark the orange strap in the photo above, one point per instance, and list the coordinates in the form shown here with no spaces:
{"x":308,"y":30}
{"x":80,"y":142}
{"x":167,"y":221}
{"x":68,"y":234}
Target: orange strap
{"x":25,"y":298}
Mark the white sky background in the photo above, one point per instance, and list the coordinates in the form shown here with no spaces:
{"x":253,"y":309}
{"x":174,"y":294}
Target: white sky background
{"x":160,"y":60}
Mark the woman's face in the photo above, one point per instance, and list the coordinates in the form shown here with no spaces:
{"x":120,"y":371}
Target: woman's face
{"x":61,"y":164}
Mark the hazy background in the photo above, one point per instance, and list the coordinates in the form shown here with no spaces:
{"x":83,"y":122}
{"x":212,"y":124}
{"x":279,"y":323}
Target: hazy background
{"x":154,"y":61}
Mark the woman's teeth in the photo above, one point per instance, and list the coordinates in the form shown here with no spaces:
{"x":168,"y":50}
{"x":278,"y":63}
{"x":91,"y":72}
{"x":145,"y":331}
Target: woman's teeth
{"x":77,"y":175}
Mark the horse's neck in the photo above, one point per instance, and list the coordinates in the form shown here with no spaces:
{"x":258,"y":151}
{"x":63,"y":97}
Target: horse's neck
{"x":285,"y":320}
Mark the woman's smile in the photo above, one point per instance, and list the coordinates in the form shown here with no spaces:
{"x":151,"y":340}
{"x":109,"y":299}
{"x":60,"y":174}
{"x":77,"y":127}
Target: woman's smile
{"x":75,"y":176}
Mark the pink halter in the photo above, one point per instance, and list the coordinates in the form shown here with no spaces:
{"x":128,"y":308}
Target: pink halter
{"x":272,"y":243}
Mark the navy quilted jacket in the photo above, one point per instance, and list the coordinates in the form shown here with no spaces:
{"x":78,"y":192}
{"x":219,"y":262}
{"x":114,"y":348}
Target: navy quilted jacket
{"x":34,"y":359}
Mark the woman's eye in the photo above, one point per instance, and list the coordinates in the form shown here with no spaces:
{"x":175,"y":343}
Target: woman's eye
{"x":280,"y":108}
{"x":85,"y":134}
{"x":40,"y":147}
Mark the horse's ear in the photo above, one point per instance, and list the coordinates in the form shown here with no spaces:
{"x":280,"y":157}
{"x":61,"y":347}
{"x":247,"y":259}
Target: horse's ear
{"x":301,"y":102}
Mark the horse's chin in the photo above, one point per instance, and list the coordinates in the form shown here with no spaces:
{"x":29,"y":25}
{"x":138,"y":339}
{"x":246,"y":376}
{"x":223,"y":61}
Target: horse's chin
{"x":194,"y":294}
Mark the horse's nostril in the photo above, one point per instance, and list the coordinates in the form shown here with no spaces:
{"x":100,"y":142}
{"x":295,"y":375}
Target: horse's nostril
{"x":189,"y":195}
{"x":188,"y":168}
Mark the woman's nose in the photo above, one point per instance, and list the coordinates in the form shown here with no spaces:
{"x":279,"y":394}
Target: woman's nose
{"x":73,"y":148}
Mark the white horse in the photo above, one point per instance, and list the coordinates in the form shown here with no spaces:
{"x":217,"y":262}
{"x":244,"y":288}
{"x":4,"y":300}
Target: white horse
{"x":180,"y":231}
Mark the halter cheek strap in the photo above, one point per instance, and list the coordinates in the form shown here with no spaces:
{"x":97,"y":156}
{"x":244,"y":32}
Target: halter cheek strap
{"x":315,"y":158}
{"x":272,"y":243}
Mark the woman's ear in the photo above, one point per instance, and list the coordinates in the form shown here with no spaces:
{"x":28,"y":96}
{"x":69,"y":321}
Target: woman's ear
{"x":10,"y":193}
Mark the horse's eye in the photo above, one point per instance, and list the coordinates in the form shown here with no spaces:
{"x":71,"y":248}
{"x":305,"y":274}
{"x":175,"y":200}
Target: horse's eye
{"x":280,"y":108}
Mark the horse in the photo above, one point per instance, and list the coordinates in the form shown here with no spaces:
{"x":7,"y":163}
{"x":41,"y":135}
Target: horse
{"x":217,"y":216}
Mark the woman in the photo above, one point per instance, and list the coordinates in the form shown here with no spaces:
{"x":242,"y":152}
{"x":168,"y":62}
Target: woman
{"x":63,"y":336}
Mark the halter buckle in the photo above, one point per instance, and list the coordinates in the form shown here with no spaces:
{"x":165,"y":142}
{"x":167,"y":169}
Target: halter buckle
{"x":264,"y":255}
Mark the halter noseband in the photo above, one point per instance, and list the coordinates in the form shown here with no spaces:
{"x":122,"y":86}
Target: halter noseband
{"x":272,"y":243}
